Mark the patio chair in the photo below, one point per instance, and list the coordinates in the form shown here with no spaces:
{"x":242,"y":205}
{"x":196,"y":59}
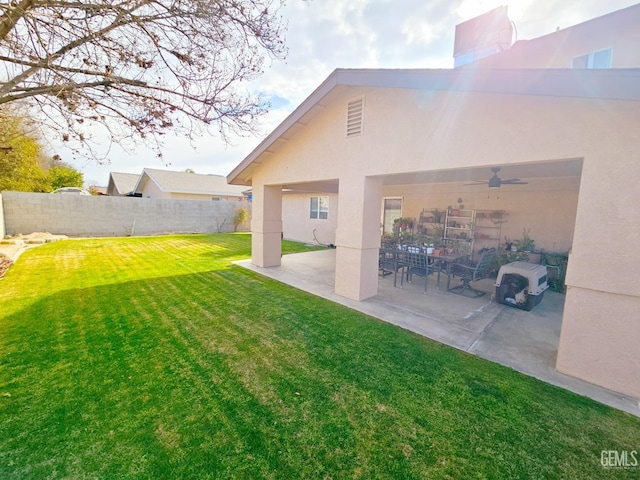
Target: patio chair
{"x":417,"y":263}
{"x":470,"y":272}
{"x":390,"y":261}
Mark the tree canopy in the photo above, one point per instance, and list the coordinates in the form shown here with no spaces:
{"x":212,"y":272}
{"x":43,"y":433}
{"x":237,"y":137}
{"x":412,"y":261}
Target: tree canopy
{"x":63,"y":175}
{"x":138,"y":67}
{"x":23,"y":165}
{"x":20,"y":155}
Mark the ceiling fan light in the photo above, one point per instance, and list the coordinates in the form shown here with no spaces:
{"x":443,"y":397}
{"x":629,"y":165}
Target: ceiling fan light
{"x":494,"y":183}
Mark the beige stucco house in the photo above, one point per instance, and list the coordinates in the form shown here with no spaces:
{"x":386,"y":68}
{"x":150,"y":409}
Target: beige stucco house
{"x":156,"y":183}
{"x":121,"y":184}
{"x":609,"y":41}
{"x":364,"y":136}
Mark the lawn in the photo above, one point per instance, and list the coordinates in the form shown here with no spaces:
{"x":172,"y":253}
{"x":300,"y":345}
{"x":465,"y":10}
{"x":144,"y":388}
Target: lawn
{"x":157,"y":358}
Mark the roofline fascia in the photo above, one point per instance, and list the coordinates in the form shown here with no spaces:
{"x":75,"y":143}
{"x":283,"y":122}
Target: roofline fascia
{"x":478,"y":80}
{"x":189,"y":192}
{"x":135,"y":187}
{"x":323,"y":89}
{"x":156,"y":182}
{"x":145,"y":172}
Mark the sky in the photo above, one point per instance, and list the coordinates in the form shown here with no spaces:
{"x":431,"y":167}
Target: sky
{"x":323,"y":35}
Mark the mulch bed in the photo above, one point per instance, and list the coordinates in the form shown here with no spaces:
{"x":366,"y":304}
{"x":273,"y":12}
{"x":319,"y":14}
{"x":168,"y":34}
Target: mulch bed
{"x":5,"y":263}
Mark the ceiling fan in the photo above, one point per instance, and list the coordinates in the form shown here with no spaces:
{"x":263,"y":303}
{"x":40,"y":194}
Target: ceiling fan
{"x":495,"y":181}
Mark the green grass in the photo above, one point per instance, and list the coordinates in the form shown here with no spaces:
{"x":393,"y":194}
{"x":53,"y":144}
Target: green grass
{"x":156,"y":358}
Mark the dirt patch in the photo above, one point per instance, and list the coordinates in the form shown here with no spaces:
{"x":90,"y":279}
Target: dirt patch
{"x":12,"y":247}
{"x":5,"y":263}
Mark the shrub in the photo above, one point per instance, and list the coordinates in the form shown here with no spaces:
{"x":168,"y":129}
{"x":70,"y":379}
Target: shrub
{"x":239,"y":218}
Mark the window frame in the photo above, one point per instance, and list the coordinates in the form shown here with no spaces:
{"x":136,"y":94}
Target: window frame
{"x":590,"y":57}
{"x":319,"y":213}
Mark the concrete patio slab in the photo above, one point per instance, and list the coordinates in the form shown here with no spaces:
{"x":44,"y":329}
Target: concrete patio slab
{"x":524,"y":341}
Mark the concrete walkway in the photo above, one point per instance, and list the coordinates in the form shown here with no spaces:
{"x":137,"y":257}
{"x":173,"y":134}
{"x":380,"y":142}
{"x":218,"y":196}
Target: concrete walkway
{"x":524,"y":341}
{"x":13,"y":247}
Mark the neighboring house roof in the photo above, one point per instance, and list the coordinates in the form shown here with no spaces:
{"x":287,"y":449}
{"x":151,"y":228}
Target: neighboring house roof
{"x":557,"y":48}
{"x":188,"y":183}
{"x":122,"y":183}
{"x":615,"y":84}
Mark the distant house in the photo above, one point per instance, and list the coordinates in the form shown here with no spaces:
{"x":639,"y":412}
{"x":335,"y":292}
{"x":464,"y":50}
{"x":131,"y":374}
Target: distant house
{"x":609,"y":41}
{"x":121,"y":184}
{"x":153,"y":183}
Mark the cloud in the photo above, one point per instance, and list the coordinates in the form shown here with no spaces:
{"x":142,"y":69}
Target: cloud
{"x":327,"y":34}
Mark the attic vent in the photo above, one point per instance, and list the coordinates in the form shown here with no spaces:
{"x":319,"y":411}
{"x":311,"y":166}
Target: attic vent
{"x":355,"y":111}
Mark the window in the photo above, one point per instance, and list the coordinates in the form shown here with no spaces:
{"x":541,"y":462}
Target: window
{"x":319,"y":208}
{"x":355,"y":116}
{"x":391,"y":209}
{"x":599,"y":59}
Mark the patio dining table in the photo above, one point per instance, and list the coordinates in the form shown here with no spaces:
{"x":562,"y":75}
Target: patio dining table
{"x":443,"y":262}
{"x":445,"y":265}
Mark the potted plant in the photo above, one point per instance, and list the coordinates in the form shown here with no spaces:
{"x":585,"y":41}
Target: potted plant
{"x":526,"y":243}
{"x":498,"y":214}
{"x":401,"y":223}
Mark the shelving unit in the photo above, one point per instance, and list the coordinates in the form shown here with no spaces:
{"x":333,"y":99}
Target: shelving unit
{"x":488,"y":228}
{"x":431,"y":223}
{"x":459,"y":230}
{"x":467,"y":231}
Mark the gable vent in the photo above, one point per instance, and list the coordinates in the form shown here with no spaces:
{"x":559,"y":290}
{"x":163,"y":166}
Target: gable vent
{"x":355,"y":111}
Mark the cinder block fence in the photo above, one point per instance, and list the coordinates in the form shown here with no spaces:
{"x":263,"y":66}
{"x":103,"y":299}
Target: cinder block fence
{"x":102,"y":216}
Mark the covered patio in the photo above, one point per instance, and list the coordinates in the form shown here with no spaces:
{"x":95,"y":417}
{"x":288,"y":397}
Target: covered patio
{"x":524,"y":341}
{"x":570,"y":136}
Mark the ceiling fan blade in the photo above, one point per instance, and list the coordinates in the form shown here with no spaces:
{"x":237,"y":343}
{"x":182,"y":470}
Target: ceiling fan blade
{"x":477,"y":183}
{"x":513,"y":181}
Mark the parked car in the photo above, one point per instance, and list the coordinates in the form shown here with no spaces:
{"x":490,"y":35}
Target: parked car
{"x":71,"y":191}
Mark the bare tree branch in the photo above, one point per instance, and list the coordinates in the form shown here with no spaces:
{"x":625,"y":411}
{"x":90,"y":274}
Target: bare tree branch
{"x":11,"y":15}
{"x":138,"y":67}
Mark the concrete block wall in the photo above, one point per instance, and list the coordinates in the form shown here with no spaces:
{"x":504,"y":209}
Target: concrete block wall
{"x":102,"y":216}
{"x":2,"y":228}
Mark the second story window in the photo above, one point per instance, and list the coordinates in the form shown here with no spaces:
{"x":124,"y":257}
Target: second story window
{"x":599,"y":59}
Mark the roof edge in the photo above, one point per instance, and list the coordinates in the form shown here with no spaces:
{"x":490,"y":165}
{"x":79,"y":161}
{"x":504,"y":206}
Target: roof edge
{"x":610,"y":84}
{"x":325,"y":87}
{"x":138,"y":183}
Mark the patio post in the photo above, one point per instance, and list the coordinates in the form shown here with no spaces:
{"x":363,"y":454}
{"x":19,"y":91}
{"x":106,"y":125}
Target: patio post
{"x":266,"y":225}
{"x":358,"y":237}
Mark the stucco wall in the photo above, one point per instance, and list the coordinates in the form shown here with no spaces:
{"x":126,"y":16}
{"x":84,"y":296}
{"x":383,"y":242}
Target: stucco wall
{"x":547,"y":207}
{"x":617,"y":31}
{"x":296,"y":224}
{"x":151,"y":190}
{"x":99,"y":216}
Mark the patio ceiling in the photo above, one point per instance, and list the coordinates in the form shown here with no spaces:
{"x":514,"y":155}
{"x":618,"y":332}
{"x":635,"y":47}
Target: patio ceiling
{"x":523,"y":171}
{"x":547,"y":169}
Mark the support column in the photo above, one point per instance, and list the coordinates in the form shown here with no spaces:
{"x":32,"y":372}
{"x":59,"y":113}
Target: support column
{"x":358,"y":237}
{"x":600,"y":325}
{"x":266,"y":225}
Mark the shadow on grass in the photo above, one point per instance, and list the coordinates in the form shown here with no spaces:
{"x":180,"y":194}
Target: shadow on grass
{"x":228,"y":374}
